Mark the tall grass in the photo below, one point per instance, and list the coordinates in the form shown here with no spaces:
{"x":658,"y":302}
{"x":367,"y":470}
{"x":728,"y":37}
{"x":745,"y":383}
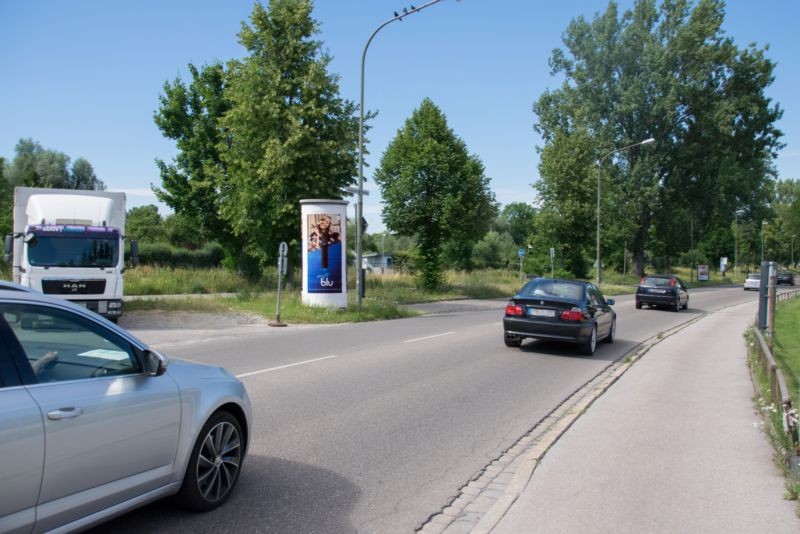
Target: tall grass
{"x":149,"y":280}
{"x":786,"y":344}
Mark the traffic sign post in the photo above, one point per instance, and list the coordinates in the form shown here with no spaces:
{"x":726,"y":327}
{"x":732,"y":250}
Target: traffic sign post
{"x":552,"y":265}
{"x":521,"y":257}
{"x":282,"y":263}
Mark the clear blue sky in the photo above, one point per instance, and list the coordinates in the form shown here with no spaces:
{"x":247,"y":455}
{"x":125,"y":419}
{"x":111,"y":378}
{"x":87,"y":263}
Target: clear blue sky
{"x":83,"y":77}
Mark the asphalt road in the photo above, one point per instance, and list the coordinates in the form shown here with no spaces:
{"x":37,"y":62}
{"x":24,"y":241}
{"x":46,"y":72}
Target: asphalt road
{"x":373,"y":427}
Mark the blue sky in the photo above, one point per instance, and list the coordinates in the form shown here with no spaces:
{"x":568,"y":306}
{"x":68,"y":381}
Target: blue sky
{"x":83,"y":77}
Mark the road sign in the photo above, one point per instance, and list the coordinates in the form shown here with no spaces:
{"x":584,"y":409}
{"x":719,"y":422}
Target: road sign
{"x":552,"y":252}
{"x":522,"y":253}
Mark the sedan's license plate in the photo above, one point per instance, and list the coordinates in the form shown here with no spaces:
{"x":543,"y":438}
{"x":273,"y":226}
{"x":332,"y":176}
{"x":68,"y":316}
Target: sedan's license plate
{"x":541,"y":312}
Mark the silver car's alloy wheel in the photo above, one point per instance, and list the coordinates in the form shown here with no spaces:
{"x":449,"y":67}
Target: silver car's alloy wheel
{"x":218,"y":462}
{"x":214,"y":465}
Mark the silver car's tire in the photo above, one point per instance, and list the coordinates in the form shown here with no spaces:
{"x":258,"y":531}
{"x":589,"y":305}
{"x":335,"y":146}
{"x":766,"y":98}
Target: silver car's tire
{"x":214,"y":465}
{"x":590,"y":344}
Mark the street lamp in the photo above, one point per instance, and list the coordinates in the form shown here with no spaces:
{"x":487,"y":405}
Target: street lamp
{"x":360,"y":191}
{"x":793,"y":250}
{"x":599,"y":164}
{"x":736,"y":243}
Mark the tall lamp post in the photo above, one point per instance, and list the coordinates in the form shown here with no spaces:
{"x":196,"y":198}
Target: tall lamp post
{"x":736,"y":243}
{"x":360,"y":191}
{"x":793,"y":249}
{"x":599,"y":165}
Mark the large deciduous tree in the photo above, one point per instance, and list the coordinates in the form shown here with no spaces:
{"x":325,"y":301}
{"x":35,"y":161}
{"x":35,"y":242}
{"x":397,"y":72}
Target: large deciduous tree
{"x":434,"y":189}
{"x":256,"y":136}
{"x":670,"y":73}
{"x":189,"y":113}
{"x":288,"y":133}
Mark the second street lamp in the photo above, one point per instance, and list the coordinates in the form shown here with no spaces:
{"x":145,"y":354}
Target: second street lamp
{"x":360,"y":191}
{"x":599,"y":165}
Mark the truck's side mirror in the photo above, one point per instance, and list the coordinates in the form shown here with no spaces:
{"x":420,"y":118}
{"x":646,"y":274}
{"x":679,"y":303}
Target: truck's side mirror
{"x":134,"y":253}
{"x":8,"y":245}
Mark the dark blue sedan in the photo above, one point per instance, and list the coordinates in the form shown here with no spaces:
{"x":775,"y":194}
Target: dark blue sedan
{"x":560,"y":310}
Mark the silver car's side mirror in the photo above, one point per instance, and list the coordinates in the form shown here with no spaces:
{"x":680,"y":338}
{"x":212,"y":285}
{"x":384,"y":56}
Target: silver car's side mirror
{"x":155,"y":364}
{"x":610,"y":302}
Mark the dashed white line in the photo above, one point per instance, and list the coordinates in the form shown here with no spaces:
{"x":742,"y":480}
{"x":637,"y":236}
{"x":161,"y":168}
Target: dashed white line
{"x":427,"y":337}
{"x":262,"y":371}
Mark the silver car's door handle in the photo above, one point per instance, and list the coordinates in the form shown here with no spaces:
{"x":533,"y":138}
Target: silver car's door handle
{"x":64,"y":413}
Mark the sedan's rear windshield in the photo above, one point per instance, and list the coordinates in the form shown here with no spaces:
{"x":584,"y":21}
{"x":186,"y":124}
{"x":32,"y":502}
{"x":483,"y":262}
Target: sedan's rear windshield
{"x":553,"y":288}
{"x":754,"y":276}
{"x":657,"y":281}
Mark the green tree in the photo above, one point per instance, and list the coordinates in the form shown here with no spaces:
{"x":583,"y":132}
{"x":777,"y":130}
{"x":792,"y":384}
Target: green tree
{"x":34,"y":166}
{"x":145,"y":224}
{"x":6,"y":201}
{"x":82,"y":176}
{"x":193,"y":184}
{"x":670,"y":73}
{"x":495,"y":251}
{"x":432,"y":187}
{"x":520,"y":217}
{"x":288,"y":133}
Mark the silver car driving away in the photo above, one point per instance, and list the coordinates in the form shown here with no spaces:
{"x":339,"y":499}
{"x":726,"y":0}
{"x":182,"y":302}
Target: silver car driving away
{"x":93,"y":423}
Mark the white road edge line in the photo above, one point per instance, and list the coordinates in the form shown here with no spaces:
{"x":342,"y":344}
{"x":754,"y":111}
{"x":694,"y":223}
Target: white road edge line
{"x":285,"y":366}
{"x":427,"y":337}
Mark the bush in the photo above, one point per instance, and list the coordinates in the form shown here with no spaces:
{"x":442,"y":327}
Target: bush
{"x":165,"y":255}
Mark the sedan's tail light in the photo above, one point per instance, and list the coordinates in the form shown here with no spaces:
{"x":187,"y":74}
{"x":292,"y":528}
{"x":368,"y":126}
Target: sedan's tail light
{"x":672,"y":282}
{"x":575,"y":314}
{"x":514,"y":309}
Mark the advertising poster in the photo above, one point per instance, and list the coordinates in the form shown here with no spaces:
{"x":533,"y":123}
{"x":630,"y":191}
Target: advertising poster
{"x":702,"y":272}
{"x":324,"y":252}
{"x":324,"y":241}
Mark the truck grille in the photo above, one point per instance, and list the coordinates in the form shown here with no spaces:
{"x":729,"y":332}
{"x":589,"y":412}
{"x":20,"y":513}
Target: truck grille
{"x":73,"y":287}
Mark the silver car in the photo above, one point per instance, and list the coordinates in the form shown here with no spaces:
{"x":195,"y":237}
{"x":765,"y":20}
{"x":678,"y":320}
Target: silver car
{"x":93,"y":423}
{"x":753,"y":281}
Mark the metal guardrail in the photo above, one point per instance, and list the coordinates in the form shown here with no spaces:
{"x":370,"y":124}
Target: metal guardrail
{"x":788,"y":294}
{"x":779,"y":393}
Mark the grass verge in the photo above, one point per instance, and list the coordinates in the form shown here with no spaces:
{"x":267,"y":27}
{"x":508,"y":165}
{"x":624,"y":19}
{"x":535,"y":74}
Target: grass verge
{"x":772,"y":422}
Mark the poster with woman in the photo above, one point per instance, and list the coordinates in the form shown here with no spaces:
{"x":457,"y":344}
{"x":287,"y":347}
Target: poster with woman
{"x":324,"y":252}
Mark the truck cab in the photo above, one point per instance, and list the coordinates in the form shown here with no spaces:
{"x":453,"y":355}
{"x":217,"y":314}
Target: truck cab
{"x":71,"y":244}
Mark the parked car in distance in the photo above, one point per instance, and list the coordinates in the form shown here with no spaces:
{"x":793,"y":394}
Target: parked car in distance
{"x":785,"y":277}
{"x":664,"y":290}
{"x":93,"y":423}
{"x":753,"y":281}
{"x":560,"y":310}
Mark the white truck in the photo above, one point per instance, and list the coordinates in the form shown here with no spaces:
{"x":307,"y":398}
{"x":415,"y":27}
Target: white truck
{"x":70,"y":243}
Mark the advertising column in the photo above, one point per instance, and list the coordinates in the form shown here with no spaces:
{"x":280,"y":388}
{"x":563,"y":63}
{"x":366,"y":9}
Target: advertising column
{"x":324,"y":252}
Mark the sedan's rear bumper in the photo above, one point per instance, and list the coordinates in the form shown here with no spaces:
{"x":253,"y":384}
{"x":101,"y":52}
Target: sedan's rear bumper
{"x":656,"y":300}
{"x":573,"y":332}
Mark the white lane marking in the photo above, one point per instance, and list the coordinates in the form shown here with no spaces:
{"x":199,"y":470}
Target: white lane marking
{"x":427,"y":337}
{"x":285,"y":366}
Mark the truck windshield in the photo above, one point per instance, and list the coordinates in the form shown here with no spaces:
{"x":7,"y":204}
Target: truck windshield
{"x":73,"y":251}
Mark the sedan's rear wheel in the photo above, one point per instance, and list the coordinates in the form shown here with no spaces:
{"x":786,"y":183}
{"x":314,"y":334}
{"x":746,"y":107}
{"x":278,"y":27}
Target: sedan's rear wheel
{"x":591,"y":343}
{"x":677,"y":306}
{"x":214,"y":465}
{"x":638,"y":305}
{"x":613,"y":332}
{"x":512,"y":341}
